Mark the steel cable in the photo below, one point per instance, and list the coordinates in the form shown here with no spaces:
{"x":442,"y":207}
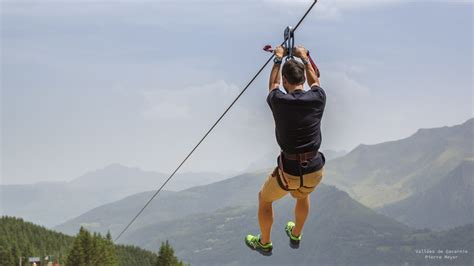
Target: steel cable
{"x":210,"y":129}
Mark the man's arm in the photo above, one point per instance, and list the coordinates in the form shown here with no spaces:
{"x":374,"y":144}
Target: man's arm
{"x":275,"y":78}
{"x":311,"y":76}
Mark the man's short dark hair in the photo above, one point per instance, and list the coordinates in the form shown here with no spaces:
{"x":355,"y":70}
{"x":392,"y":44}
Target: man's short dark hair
{"x":293,"y":71}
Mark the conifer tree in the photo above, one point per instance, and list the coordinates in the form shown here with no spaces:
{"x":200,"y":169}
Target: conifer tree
{"x":110,"y":253}
{"x":87,"y":243}
{"x":166,"y":256}
{"x":97,"y":249}
{"x":77,"y":255}
{"x":6,"y":256}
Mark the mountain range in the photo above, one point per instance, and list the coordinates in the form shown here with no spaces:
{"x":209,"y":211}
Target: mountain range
{"x":385,"y":173}
{"x":207,"y":226}
{"x":382,"y":204}
{"x":49,"y":203}
{"x":207,"y":223}
{"x":447,"y":204}
{"x":240,"y":190}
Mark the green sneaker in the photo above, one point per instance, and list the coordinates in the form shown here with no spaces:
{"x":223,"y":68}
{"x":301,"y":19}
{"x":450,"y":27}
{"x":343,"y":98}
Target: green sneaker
{"x":294,"y":240}
{"x":253,"y":242}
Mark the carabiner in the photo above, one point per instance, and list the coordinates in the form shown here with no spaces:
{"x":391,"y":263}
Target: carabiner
{"x":289,"y":43}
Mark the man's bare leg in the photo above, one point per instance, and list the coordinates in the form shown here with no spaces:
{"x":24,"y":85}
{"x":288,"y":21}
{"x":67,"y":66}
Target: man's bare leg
{"x":301,"y":213}
{"x":265,"y":219}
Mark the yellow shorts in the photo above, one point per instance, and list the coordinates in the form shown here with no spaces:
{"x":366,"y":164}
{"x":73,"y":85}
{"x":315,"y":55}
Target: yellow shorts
{"x":272,"y":189}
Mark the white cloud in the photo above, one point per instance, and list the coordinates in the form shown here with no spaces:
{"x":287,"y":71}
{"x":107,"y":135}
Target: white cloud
{"x":189,"y":103}
{"x":164,"y":109}
{"x":358,"y":3}
{"x":345,"y":87}
{"x":333,"y":9}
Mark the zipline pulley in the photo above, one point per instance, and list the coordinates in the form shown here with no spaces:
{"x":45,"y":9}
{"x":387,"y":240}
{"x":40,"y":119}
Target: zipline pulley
{"x":289,"y":43}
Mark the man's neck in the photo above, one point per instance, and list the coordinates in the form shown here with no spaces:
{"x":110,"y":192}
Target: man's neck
{"x":291,"y":89}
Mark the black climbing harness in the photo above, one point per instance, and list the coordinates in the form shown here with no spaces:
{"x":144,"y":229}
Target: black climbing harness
{"x":303,"y":162}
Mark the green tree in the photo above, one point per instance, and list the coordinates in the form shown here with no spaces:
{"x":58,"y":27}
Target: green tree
{"x":92,"y":250}
{"x":6,"y":257}
{"x":77,"y":255}
{"x":166,"y":256}
{"x":110,"y":253}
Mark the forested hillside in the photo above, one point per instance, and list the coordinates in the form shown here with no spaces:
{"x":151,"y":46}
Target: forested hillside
{"x":24,"y":239}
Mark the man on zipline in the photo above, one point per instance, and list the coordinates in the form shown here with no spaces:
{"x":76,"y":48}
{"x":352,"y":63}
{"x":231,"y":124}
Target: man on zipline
{"x":297,"y":114}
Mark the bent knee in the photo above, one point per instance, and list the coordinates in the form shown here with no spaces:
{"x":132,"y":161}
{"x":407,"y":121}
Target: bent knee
{"x":301,"y":196}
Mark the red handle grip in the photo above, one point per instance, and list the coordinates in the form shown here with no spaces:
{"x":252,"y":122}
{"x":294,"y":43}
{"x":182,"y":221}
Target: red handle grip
{"x":316,"y":69}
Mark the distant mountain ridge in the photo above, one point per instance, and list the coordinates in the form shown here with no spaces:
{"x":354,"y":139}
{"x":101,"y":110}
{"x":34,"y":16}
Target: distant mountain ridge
{"x":388,"y":172}
{"x":448,"y":204}
{"x":49,"y":203}
{"x":206,"y":198}
{"x":115,"y":175}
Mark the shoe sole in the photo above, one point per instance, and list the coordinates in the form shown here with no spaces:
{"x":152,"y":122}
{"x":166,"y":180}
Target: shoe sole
{"x":264,"y":253}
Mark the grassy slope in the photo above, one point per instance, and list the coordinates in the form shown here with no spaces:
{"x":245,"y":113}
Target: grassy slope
{"x":384,"y":173}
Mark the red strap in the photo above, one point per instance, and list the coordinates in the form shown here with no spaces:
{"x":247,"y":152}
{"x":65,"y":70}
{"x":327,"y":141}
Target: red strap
{"x":314,"y":66}
{"x":268,"y":48}
{"x":280,"y":166}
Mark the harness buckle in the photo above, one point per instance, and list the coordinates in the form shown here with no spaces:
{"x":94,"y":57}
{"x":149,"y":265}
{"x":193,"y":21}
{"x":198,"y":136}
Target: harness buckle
{"x":304,"y":163}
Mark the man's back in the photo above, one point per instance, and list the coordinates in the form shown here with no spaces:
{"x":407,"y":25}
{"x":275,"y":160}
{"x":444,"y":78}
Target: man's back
{"x":297,"y":118}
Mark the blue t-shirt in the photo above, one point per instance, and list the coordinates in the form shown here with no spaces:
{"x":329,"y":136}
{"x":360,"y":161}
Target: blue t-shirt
{"x":297,"y":118}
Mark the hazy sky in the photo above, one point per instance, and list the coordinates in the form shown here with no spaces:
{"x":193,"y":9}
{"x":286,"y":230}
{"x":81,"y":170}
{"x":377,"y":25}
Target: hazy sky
{"x":90,"y":83}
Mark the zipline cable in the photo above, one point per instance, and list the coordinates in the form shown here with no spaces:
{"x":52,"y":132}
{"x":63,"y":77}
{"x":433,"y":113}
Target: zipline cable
{"x":210,"y":129}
